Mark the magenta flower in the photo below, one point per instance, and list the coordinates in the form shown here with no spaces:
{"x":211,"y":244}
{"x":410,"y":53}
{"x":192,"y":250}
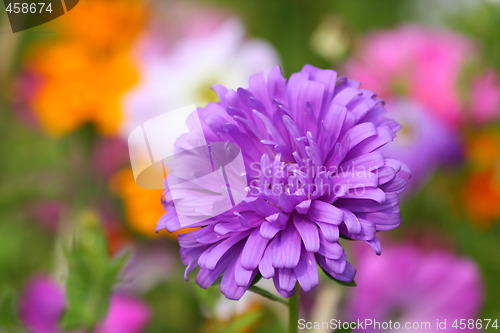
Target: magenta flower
{"x":409,"y":285}
{"x":41,"y":306}
{"x":43,"y":303}
{"x":125,"y":315}
{"x":310,"y":148}
{"x":417,"y":63}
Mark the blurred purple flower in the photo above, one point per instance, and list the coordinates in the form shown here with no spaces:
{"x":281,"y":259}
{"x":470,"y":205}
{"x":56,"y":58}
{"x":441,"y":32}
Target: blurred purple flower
{"x":184,"y":74}
{"x":41,"y":306}
{"x":424,"y":143}
{"x":157,"y":260}
{"x":409,"y":285}
{"x":310,"y":147}
{"x":43,"y":303}
{"x":417,"y":63}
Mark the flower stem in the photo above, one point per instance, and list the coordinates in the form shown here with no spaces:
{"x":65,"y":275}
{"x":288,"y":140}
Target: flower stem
{"x":267,"y":294}
{"x":293,"y":312}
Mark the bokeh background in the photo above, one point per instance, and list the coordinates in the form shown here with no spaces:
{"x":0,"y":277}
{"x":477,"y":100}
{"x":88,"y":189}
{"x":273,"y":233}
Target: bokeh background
{"x":78,"y":247}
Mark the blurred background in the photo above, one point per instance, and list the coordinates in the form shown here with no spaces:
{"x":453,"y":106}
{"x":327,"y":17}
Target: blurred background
{"x":78,"y":247}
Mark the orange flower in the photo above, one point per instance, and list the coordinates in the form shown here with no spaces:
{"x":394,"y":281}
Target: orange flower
{"x":105,"y":24}
{"x":481,"y":197}
{"x":143,"y":207}
{"x":481,"y":193}
{"x":77,"y":88}
{"x":483,"y":149}
{"x":84,"y":76}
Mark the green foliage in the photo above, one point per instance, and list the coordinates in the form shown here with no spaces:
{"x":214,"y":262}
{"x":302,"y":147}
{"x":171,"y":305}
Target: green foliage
{"x":243,"y":323}
{"x":92,"y":275}
{"x":344,"y":330}
{"x":8,"y":312}
{"x":176,"y":306}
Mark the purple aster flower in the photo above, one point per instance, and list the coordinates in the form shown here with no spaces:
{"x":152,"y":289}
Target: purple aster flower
{"x":424,"y":144}
{"x":409,"y":285}
{"x":310,"y":149}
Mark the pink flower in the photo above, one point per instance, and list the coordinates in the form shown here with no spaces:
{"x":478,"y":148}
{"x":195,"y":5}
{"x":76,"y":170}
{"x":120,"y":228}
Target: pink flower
{"x":409,"y":285}
{"x":43,"y":303}
{"x":125,"y":315}
{"x":485,"y":95}
{"x":417,"y":63}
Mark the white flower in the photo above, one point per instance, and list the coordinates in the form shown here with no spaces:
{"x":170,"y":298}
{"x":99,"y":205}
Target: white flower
{"x":184,"y":75}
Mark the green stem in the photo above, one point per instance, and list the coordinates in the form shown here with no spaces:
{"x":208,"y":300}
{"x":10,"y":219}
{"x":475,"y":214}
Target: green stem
{"x":293,"y":313}
{"x":267,"y":294}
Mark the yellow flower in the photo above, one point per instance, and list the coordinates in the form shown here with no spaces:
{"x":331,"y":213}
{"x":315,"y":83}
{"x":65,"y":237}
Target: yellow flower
{"x":143,"y":207}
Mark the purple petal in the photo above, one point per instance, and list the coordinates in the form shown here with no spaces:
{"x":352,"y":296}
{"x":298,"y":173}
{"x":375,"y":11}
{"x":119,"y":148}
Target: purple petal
{"x":266,"y":264}
{"x":278,"y":220}
{"x":337,"y":265}
{"x":253,"y":250}
{"x":290,"y":247}
{"x":375,"y":244}
{"x":211,"y":257}
{"x":287,"y":279}
{"x":307,"y":271}
{"x":303,"y":207}
{"x":324,"y":212}
{"x":308,"y":232}
{"x":228,"y":284}
{"x":282,"y":292}
{"x":243,"y":276}
{"x":329,"y":231}
{"x":267,"y":230}
{"x":330,"y":250}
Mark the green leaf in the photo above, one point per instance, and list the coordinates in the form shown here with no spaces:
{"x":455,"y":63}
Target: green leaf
{"x":342,"y":283}
{"x":243,"y":323}
{"x":267,"y":294}
{"x":92,"y":275}
{"x":8,"y":312}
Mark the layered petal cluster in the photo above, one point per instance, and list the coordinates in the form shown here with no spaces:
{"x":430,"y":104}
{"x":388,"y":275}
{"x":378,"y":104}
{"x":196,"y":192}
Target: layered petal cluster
{"x":310,"y":147}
